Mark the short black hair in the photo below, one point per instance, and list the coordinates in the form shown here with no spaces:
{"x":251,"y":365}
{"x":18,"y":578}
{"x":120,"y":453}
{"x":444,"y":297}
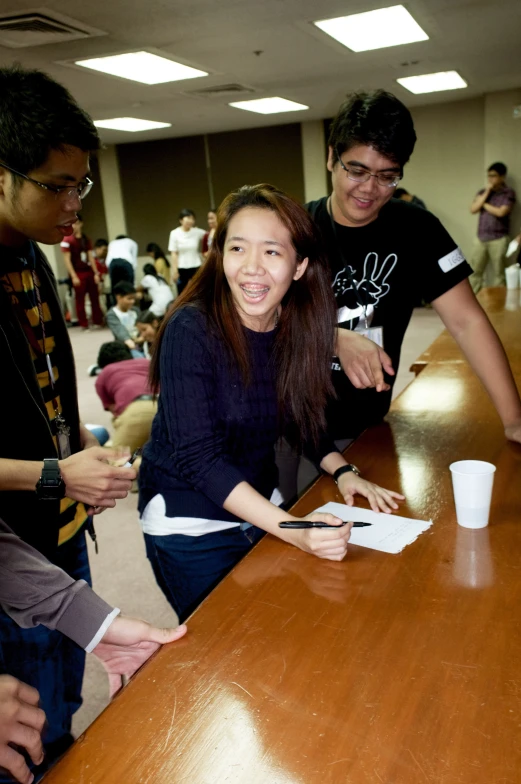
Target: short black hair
{"x":399,"y":192}
{"x":186,"y":214}
{"x":499,"y":168}
{"x":377,"y":119}
{"x":123,"y":288}
{"x":38,"y":115}
{"x":115,"y":351}
{"x":99,"y":243}
{"x":122,"y":237}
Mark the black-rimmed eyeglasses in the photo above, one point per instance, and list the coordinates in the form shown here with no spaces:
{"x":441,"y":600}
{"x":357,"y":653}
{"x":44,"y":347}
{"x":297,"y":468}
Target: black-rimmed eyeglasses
{"x":81,"y":190}
{"x":386,"y":179}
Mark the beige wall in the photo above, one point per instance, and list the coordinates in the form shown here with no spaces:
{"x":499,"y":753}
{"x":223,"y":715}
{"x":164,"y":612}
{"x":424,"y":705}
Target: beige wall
{"x":447,"y":166}
{"x":93,"y":208}
{"x":456,"y":143}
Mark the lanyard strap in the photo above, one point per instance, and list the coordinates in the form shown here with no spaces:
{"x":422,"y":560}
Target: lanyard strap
{"x":363,"y":303}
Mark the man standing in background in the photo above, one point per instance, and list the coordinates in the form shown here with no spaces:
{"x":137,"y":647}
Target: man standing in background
{"x":494,"y":205}
{"x":81,"y":266}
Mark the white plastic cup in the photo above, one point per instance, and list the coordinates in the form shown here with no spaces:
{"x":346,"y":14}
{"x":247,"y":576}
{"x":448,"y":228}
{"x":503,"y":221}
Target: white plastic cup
{"x":472,"y":482}
{"x":512,"y":276}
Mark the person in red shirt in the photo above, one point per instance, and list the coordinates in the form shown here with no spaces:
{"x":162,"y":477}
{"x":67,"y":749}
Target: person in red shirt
{"x":123,"y":389}
{"x":81,"y":266}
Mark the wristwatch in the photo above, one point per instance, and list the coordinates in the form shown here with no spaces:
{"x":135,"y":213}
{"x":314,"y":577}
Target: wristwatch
{"x":50,"y":486}
{"x":344,"y":469}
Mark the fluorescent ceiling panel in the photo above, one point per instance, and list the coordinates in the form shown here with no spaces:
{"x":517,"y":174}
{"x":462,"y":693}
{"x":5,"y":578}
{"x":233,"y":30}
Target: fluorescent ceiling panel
{"x":142,"y":67}
{"x":269,"y":105}
{"x":433,"y":83}
{"x":374,"y":29}
{"x":131,"y":124}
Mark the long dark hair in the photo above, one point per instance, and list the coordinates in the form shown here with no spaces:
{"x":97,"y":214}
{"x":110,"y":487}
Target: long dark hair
{"x":158,"y":252}
{"x":304,"y":344}
{"x":149,"y":269}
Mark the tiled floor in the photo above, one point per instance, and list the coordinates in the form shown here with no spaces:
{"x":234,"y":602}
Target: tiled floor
{"x":121,"y":573}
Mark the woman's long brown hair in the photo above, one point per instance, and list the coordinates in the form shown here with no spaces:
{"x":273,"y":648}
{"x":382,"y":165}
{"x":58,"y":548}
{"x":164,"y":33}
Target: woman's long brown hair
{"x":304,"y":344}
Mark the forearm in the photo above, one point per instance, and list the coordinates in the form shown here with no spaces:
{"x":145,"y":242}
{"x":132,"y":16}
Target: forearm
{"x":20,"y":475}
{"x":332,"y":462}
{"x":33,"y":592}
{"x":174,"y":256}
{"x":485,"y":353}
{"x":249,"y":505}
{"x":499,"y":212}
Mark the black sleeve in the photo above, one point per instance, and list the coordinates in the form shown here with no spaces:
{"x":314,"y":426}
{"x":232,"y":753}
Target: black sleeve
{"x":441,"y":262}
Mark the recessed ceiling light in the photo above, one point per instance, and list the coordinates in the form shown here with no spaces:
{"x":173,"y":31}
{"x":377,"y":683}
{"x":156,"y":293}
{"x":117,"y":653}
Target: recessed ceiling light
{"x":433,"y":83}
{"x":374,"y":29}
{"x":142,"y":67}
{"x":131,"y":124}
{"x":269,"y":105}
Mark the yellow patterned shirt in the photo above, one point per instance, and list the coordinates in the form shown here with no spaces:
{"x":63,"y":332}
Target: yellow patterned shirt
{"x":18,"y":282}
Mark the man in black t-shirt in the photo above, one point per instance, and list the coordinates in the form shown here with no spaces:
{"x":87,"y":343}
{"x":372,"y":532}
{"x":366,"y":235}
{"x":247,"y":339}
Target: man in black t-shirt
{"x":385,"y":255}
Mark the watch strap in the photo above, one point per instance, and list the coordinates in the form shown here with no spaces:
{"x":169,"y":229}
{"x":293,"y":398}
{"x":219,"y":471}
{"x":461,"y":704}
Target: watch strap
{"x":344,"y":470}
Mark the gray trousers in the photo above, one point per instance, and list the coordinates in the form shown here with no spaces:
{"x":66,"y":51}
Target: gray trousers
{"x":296,"y":472}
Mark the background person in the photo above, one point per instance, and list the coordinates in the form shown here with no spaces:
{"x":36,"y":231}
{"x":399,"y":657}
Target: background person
{"x":122,"y":260}
{"x":233,"y":367}
{"x":81,"y":266}
{"x":161,"y":263}
{"x":157,"y":289}
{"x":148,"y":325}
{"x":401,"y":193}
{"x":121,"y":319}
{"x":209,"y":235}
{"x":184,"y":245}
{"x":124,"y":390}
{"x":494,"y":203}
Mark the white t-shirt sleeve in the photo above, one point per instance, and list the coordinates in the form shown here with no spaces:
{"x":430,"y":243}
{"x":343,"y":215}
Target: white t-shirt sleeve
{"x":64,"y":245}
{"x":148,"y":282}
{"x":172,"y":242}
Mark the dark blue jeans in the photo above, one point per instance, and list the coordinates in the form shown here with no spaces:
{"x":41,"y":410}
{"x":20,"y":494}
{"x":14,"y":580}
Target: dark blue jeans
{"x":187,"y":568}
{"x":50,"y":662}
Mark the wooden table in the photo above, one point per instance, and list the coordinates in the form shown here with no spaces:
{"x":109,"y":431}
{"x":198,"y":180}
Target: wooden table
{"x":503,"y":307}
{"x":382,"y":669}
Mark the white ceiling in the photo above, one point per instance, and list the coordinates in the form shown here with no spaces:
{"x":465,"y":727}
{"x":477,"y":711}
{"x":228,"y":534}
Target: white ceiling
{"x":479,"y":38}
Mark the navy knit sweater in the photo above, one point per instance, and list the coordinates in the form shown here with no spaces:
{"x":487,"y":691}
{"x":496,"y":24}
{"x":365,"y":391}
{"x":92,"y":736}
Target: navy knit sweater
{"x":211,"y":431}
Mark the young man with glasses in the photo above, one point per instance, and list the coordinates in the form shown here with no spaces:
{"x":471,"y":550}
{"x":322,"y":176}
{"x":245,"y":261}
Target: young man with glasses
{"x":53,"y":473}
{"x":385,"y":256}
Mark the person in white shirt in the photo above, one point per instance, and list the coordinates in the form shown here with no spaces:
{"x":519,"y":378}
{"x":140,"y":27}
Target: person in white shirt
{"x":158,"y":290}
{"x":122,"y":260}
{"x":185,"y":247}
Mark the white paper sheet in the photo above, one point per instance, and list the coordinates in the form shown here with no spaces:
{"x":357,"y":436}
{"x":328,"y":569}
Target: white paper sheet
{"x":388,"y":532}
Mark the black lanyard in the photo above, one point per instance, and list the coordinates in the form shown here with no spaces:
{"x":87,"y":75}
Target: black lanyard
{"x":360,"y":300}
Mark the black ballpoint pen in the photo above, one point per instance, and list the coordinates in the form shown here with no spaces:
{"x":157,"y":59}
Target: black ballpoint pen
{"x":310,"y":524}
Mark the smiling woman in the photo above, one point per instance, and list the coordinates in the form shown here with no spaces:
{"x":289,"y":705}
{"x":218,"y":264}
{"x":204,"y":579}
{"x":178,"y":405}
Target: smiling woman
{"x":243,"y":357}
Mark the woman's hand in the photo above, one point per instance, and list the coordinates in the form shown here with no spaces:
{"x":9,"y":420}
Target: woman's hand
{"x":380,"y":499}
{"x":328,"y":543}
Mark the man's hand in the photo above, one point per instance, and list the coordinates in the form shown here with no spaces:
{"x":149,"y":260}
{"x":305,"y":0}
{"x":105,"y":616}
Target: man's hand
{"x":21,"y":724}
{"x":362,"y":360}
{"x":89,"y":478}
{"x":75,"y":281}
{"x":513,"y":432}
{"x":127,"y":644}
{"x":130,"y":343}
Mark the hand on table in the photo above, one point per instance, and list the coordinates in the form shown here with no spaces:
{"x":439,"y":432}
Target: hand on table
{"x":328,"y":543}
{"x":513,"y":432}
{"x":89,"y":478}
{"x":127,"y":644}
{"x":380,"y":499}
{"x":21,"y":724}
{"x":363,"y":361}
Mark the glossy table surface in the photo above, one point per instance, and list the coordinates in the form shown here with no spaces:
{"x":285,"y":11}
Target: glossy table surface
{"x":503,"y":307}
{"x":382,"y":669}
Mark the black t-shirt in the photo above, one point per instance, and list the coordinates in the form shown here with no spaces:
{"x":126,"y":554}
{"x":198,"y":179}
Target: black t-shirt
{"x":383,"y":268}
